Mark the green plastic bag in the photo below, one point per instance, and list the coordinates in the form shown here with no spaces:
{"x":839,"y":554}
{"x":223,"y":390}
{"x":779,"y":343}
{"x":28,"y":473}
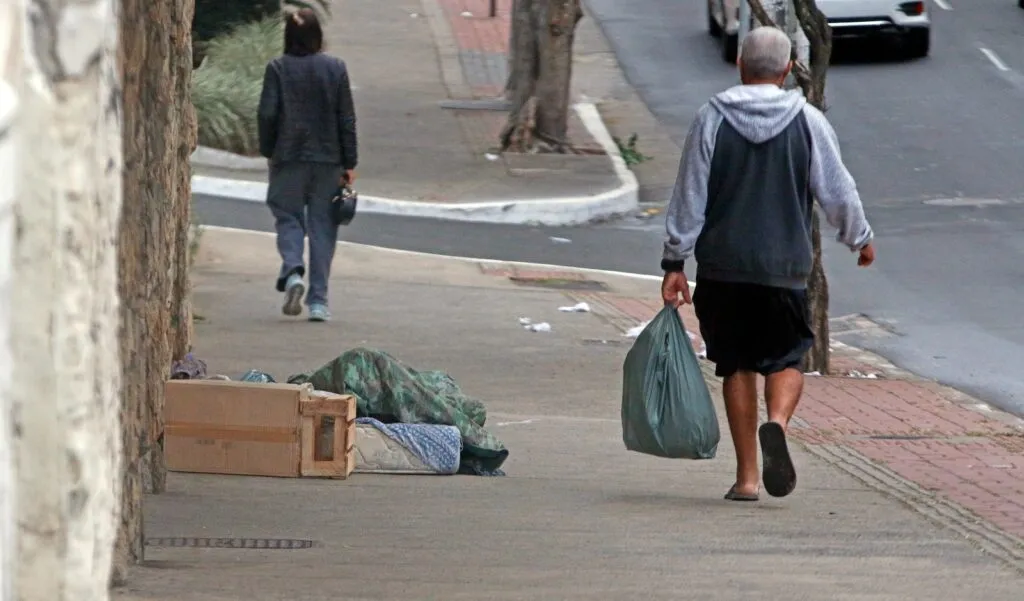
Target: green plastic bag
{"x":666,"y":407}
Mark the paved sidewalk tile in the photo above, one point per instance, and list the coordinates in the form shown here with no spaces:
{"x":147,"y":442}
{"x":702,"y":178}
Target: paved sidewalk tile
{"x":961,"y":450}
{"x":577,"y":517}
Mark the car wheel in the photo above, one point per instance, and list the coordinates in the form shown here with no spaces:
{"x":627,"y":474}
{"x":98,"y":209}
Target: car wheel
{"x":918,"y":42}
{"x":730,"y":48}
{"x":714,"y":28}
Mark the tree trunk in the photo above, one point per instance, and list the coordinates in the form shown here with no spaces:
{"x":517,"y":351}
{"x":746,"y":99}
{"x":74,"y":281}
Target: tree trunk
{"x":554,"y":75}
{"x":514,"y":29}
{"x":812,"y":39}
{"x":159,"y":136}
{"x":540,"y":75}
{"x":517,"y":135}
{"x":66,"y":373}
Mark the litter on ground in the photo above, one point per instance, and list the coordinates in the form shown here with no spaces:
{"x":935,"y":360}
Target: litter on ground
{"x":635,"y":331}
{"x":577,"y":308}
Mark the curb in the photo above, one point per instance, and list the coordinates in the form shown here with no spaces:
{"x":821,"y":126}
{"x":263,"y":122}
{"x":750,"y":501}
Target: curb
{"x":460,"y":259}
{"x":571,"y":210}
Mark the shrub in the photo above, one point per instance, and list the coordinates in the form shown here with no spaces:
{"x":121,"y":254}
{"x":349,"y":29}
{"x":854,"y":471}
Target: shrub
{"x":226,"y":87}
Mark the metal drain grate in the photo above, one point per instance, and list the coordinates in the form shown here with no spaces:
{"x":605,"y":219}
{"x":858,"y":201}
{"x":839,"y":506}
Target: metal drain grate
{"x":558,"y":283}
{"x":265,"y":544}
{"x":604,"y":342}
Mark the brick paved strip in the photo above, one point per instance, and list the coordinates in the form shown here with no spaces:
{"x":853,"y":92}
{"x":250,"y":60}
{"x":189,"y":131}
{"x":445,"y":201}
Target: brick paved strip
{"x":943,"y":446}
{"x":503,"y":270}
{"x":479,"y":32}
{"x":983,"y":533}
{"x":857,"y":406}
{"x":958,"y":465}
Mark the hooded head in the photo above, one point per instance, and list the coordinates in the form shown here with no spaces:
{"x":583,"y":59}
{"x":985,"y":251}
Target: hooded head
{"x":760,"y":109}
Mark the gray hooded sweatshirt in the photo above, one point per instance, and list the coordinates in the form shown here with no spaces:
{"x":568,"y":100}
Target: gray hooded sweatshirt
{"x":754,"y":160}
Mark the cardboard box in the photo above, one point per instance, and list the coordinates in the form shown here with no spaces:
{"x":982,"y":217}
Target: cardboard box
{"x":243,"y":428}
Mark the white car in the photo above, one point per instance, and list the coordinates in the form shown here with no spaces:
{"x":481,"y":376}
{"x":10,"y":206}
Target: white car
{"x":850,"y":19}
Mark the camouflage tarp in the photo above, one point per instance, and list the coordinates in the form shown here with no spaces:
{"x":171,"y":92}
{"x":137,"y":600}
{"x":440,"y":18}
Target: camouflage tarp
{"x":390,"y":391}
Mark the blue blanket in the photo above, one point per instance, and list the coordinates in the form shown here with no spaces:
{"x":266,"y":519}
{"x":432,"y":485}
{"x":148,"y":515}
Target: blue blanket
{"x":439,"y":447}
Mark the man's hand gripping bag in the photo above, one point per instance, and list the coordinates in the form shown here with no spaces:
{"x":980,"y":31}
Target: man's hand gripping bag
{"x":666,"y":407}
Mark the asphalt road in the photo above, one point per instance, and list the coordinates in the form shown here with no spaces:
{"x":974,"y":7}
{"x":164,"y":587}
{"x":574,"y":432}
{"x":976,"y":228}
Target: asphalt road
{"x":937,"y":146}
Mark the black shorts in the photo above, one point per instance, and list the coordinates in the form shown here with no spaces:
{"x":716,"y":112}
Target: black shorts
{"x":749,"y":327}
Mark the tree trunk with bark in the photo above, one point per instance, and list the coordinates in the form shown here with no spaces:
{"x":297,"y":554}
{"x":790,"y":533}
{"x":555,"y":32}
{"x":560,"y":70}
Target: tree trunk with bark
{"x":818,"y":44}
{"x":159,"y":137}
{"x":66,"y":373}
{"x":540,"y":75}
{"x":814,"y":55}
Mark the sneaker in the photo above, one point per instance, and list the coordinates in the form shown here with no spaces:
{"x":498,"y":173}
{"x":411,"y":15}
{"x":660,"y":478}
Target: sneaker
{"x":294,"y":291}
{"x":318,"y":312}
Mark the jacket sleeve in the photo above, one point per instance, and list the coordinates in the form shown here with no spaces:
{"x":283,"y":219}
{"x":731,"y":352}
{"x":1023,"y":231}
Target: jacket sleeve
{"x":833,"y":186}
{"x":684,"y":219}
{"x":347,"y":122}
{"x":268,"y":112}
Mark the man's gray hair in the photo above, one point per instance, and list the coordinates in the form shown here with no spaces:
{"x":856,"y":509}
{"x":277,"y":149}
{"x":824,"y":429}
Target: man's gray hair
{"x":765,"y":54}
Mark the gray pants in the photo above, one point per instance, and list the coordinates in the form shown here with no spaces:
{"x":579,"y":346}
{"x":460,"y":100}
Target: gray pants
{"x":299,"y":196}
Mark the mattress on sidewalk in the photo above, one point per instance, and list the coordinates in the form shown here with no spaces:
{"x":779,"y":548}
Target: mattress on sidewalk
{"x":406,"y":448}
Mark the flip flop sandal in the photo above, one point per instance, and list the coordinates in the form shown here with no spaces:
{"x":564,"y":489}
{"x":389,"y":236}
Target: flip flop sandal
{"x":777,"y":472}
{"x":732,"y":495}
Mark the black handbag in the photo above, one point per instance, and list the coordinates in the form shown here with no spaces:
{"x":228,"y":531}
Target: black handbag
{"x":343,"y":205}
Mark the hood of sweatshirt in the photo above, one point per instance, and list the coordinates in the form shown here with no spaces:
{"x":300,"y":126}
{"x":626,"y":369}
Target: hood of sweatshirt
{"x":759,"y":112}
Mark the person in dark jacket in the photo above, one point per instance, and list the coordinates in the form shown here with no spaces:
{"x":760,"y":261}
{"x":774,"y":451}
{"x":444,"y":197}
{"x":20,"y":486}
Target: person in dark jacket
{"x":753,"y":162}
{"x":307,"y":130}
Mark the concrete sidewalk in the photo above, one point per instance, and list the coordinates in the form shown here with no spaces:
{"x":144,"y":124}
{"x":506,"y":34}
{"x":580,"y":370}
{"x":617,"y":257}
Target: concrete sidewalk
{"x":577,"y":517}
{"x":426,"y":147}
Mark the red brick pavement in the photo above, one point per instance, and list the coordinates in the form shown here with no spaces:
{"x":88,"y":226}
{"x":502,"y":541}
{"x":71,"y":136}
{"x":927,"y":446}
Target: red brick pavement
{"x":926,"y":433}
{"x":479,"y":32}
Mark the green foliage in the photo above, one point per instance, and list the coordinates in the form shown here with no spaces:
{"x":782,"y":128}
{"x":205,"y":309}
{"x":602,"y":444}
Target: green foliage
{"x":226,"y":87}
{"x":629,"y":151}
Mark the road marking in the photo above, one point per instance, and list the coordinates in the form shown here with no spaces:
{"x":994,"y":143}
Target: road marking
{"x":943,"y":4}
{"x":994,"y":59}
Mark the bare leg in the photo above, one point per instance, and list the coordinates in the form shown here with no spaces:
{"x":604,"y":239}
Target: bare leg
{"x":740,"y":391}
{"x":782,"y":393}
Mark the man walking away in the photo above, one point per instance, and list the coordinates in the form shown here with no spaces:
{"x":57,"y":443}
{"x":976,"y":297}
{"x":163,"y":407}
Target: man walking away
{"x":754,"y":160}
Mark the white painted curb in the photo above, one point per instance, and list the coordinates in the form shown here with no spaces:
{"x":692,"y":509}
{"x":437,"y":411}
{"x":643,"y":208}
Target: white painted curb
{"x":548,"y":211}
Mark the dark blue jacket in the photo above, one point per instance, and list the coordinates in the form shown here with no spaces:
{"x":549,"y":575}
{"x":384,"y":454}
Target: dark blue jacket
{"x":306,"y":113}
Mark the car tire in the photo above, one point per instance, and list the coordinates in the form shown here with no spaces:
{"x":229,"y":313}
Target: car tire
{"x":1020,"y":3}
{"x":714,"y":28}
{"x":917,"y":43}
{"x":730,"y":48}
